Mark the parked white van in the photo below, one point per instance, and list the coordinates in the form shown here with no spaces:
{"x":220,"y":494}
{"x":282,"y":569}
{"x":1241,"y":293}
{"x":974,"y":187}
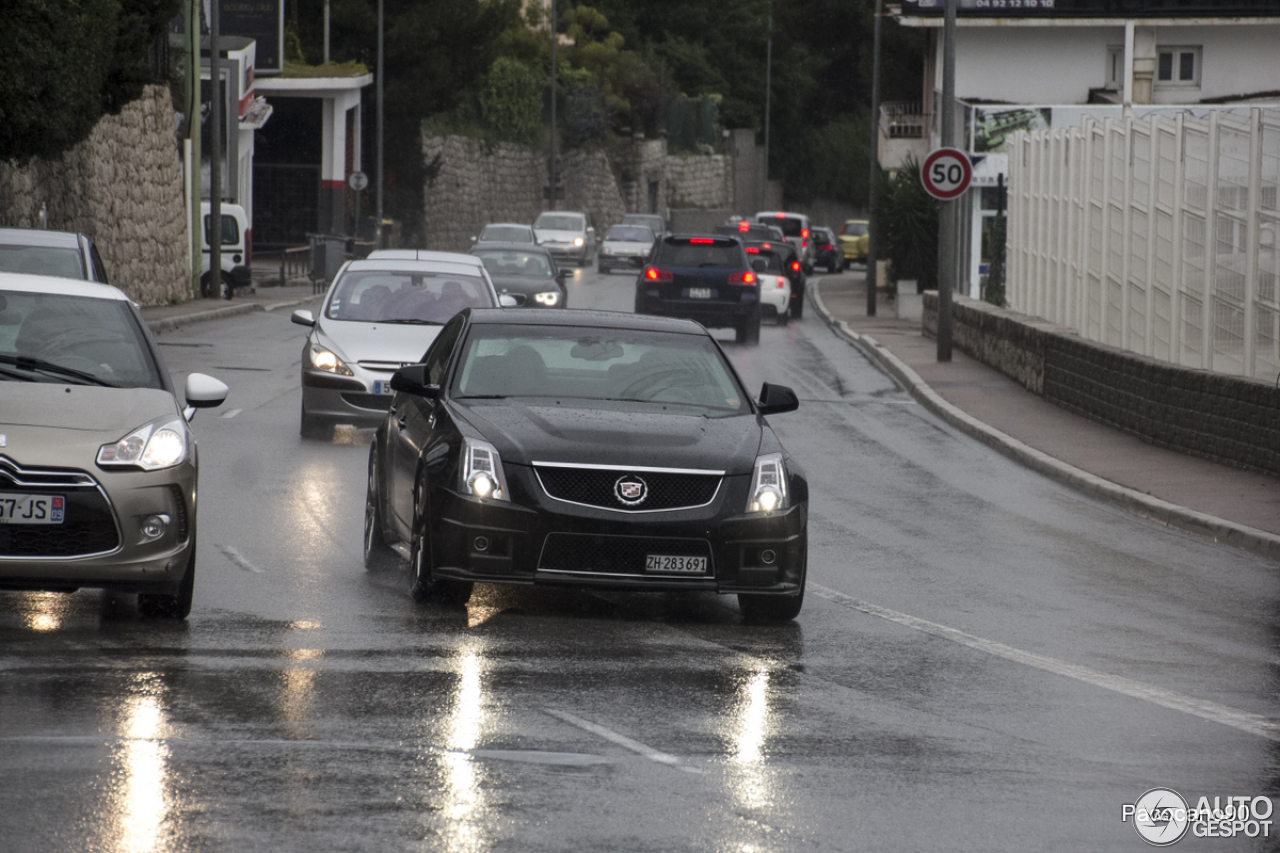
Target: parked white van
{"x":237,"y":243}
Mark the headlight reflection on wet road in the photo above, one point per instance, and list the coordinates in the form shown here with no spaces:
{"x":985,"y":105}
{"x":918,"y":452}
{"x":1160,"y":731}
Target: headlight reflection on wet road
{"x":464,"y":806}
{"x":141,"y":797}
{"x":748,"y":734}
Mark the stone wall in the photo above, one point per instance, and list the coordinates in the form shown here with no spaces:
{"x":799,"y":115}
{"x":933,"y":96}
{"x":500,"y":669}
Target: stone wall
{"x":122,"y":187}
{"x":1230,"y":419}
{"x":479,"y":183}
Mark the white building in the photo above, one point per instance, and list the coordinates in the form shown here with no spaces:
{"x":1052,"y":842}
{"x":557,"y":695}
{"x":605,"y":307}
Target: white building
{"x":1037,"y":64}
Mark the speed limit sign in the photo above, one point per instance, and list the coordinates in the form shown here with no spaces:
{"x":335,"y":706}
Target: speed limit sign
{"x":946,"y":173}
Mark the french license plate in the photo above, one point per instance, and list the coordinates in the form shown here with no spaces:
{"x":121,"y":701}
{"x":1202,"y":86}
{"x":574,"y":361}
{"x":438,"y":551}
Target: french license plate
{"x":382,"y":388}
{"x":32,"y":509}
{"x":669,"y":563}
{"x":701,"y":293}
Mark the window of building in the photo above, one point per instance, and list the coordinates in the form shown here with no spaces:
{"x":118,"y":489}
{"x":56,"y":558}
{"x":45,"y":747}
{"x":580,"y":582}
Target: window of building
{"x":1115,"y":67}
{"x":1178,"y":66}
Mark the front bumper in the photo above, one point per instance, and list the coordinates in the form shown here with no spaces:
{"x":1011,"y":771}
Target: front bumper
{"x":100,"y":544}
{"x":535,"y":539}
{"x":634,"y":262}
{"x":344,"y":399}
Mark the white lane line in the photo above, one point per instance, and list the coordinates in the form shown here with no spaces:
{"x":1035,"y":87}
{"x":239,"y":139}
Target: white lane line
{"x":1254,"y":724}
{"x":239,"y":559}
{"x":622,"y":740}
{"x":232,"y":413}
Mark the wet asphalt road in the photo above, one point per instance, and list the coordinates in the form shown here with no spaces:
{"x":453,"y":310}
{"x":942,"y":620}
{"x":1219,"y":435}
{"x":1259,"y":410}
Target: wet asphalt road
{"x":986,"y":661}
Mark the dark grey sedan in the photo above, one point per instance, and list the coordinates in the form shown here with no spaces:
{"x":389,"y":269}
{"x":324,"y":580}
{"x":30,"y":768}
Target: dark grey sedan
{"x":527,"y":273}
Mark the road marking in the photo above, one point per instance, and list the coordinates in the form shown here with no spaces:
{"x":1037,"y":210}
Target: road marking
{"x":239,"y":559}
{"x":1254,"y":724}
{"x":232,"y":413}
{"x":622,"y":740}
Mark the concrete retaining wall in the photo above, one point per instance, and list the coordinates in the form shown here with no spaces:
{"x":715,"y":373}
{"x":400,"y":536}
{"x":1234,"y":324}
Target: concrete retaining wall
{"x":1226,"y":418}
{"x":123,"y":187}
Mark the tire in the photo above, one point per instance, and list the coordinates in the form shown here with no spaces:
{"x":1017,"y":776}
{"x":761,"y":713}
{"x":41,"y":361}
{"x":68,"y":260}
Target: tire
{"x":784,"y":317}
{"x":226,"y":291}
{"x":315,"y":428}
{"x":833,"y":268}
{"x":601,"y":268}
{"x":760,"y":609}
{"x":747,"y":330}
{"x":154,"y":605}
{"x":422,"y":586}
{"x":378,"y":555}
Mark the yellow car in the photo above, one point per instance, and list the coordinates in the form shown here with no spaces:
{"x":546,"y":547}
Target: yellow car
{"x":855,"y":240}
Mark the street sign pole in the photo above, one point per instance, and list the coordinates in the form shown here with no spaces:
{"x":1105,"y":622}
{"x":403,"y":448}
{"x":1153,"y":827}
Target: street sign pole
{"x":873,"y":227}
{"x":216,"y":105}
{"x":947,"y":215}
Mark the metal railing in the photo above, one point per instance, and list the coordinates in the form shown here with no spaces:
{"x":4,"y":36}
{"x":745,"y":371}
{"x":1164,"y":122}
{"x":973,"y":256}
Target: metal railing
{"x":1157,"y":235}
{"x":903,"y":120}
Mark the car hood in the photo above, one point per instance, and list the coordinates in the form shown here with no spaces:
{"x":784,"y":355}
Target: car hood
{"x":394,"y":342}
{"x":614,"y":434}
{"x":62,"y":426}
{"x":524,"y":284}
{"x":548,"y":234}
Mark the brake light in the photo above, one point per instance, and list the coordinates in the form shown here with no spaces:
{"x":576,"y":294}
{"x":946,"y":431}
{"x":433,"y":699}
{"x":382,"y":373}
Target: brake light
{"x":768,"y":245}
{"x":782,"y":282}
{"x":781,"y":215}
{"x":804,"y":232}
{"x":655,"y":274}
{"x":752,"y":250}
{"x":701,"y":240}
{"x":795,"y":266}
{"x":744,"y":277}
{"x":744,"y":226}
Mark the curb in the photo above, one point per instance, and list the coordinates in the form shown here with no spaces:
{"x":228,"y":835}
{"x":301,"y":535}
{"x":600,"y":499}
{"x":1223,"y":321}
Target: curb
{"x":1130,"y":500}
{"x":168,"y":324}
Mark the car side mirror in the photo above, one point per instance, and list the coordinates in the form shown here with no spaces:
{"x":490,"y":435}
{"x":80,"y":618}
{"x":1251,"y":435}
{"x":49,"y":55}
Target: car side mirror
{"x":303,"y":318}
{"x":760,"y":265}
{"x":562,"y":276}
{"x":202,"y":392}
{"x":776,"y":399}
{"x":414,"y":380}
{"x":506,"y":300}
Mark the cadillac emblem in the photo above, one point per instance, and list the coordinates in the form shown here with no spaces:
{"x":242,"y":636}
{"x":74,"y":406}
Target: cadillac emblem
{"x":630,"y":491}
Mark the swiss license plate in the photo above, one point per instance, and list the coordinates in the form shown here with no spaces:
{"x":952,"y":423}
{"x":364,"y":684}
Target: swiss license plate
{"x":32,"y":509}
{"x":670,"y":563}
{"x":701,"y":293}
{"x":382,"y":388}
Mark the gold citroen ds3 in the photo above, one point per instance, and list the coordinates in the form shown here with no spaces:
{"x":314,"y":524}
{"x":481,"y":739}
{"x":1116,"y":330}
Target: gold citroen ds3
{"x":97,"y":464}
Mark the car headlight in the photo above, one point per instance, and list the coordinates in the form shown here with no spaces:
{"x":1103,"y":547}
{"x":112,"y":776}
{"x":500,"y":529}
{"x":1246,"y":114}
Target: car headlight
{"x":482,"y":474}
{"x":577,"y":241}
{"x":323,"y":359}
{"x":159,"y":444}
{"x":550,"y":298}
{"x":606,"y":251}
{"x":768,"y":485}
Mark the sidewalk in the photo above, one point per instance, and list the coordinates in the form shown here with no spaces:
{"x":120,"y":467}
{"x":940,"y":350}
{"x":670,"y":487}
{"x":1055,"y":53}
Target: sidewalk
{"x":162,"y":318}
{"x":1229,"y":504}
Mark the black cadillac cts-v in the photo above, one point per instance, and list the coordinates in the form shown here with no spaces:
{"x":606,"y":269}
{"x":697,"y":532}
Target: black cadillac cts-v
{"x":586,"y":448}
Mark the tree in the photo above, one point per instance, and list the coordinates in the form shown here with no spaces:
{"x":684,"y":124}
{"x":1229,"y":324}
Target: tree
{"x":66,"y":63}
{"x":511,"y":102}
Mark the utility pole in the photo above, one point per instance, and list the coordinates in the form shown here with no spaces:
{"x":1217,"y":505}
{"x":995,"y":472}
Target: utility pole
{"x":768,"y":91}
{"x":377,"y":231}
{"x":555,"y":148}
{"x":947,"y":214}
{"x":217,"y":105}
{"x":873,"y":226}
{"x":326,"y":32}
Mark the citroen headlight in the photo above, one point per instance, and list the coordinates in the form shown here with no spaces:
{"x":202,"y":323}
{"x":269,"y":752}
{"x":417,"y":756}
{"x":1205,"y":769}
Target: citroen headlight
{"x":482,"y":474}
{"x":323,"y":359}
{"x":159,"y":444}
{"x":550,"y":298}
{"x":577,"y":241}
{"x":768,"y":485}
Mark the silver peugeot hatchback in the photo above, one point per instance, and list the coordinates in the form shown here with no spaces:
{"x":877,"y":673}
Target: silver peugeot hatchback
{"x":97,"y":463}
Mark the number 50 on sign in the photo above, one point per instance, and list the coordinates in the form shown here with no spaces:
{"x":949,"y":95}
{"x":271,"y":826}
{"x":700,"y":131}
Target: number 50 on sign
{"x":946,"y":173}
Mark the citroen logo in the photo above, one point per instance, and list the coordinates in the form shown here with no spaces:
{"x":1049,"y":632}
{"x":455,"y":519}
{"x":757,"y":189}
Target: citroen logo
{"x":630,"y":490}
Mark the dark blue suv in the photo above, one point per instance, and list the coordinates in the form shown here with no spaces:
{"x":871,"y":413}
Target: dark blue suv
{"x":704,"y":278}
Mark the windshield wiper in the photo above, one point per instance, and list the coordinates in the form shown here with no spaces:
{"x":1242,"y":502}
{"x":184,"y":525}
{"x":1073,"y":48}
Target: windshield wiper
{"x":13,"y":374}
{"x":483,"y":397}
{"x":408,"y":321}
{"x":26,"y":362}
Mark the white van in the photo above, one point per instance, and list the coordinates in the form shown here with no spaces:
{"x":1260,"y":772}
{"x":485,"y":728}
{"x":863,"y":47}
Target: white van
{"x":798,"y":233}
{"x":237,"y":243}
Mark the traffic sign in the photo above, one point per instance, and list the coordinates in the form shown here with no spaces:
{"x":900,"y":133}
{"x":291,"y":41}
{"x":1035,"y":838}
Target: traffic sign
{"x":946,"y":173}
{"x":357,"y":181}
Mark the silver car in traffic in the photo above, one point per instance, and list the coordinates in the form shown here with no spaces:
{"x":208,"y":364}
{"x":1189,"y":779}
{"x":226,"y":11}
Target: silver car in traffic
{"x":380,"y":314}
{"x":98,"y":465}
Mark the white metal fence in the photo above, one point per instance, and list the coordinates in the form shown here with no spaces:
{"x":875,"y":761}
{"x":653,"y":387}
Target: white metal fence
{"x":1156,"y":235}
